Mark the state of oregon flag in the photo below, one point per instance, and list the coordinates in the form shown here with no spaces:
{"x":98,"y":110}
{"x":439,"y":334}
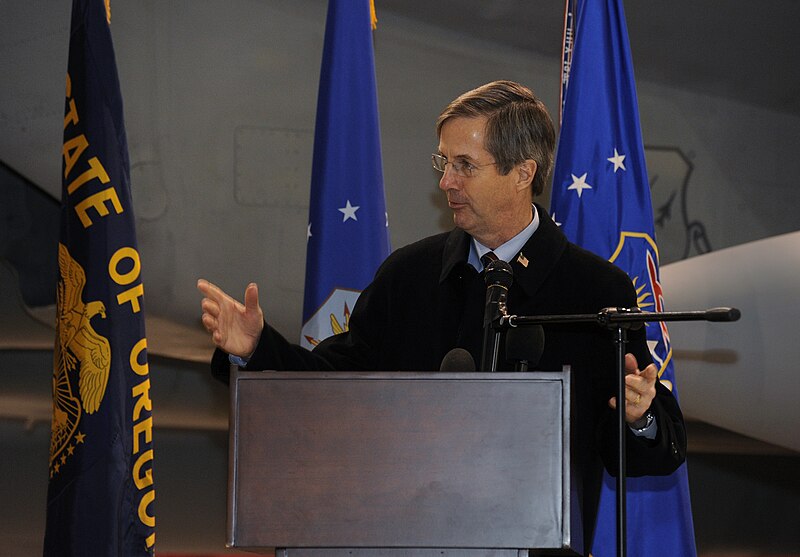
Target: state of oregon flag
{"x":100,"y":493}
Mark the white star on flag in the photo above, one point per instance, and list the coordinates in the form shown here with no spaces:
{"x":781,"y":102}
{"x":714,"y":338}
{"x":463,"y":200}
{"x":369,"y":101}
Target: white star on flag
{"x":308,"y":234}
{"x":349,"y":211}
{"x":553,"y":216}
{"x":579,"y":184}
{"x":618,"y":161}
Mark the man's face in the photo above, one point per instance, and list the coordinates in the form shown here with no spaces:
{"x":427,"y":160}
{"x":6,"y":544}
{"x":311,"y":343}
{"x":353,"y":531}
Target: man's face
{"x":484,"y":204}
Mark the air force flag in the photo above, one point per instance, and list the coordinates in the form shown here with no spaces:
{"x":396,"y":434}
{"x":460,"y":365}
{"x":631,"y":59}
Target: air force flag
{"x":348,"y":233}
{"x":601,"y":199}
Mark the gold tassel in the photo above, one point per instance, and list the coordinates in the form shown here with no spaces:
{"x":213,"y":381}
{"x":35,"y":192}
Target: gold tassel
{"x":373,"y":16}
{"x":108,"y":11}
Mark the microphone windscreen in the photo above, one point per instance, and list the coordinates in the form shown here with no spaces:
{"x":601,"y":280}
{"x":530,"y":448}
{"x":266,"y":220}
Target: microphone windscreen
{"x":457,"y":359}
{"x":525,"y":344}
{"x":499,"y":272}
{"x":723,"y":314}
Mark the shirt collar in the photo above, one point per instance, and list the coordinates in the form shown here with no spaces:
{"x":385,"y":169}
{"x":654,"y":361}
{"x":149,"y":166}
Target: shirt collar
{"x":506,"y":251}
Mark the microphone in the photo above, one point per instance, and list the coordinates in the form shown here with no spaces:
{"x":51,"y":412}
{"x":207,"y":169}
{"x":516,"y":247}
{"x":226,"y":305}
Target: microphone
{"x":524,"y":346}
{"x":498,"y":278}
{"x":457,"y":359}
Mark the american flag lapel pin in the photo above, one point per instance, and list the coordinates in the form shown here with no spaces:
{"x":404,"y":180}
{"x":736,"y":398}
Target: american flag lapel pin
{"x":522,"y":260}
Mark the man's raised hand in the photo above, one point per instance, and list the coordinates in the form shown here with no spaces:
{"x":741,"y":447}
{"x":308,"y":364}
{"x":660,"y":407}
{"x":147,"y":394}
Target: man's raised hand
{"x":234,"y":327}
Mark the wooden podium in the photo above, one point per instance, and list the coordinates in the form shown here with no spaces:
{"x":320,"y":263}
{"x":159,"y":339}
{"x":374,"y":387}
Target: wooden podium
{"x":329,"y":464}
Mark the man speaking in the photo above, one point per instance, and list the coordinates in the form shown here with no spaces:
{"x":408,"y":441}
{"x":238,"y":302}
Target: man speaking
{"x":495,"y":154}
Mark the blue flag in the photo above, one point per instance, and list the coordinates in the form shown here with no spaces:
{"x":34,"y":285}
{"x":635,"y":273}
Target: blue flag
{"x":601,"y":198}
{"x":348,"y":234}
{"x":100,"y":494}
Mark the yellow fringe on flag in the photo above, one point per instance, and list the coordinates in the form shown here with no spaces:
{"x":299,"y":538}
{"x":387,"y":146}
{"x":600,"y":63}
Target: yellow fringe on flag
{"x":373,"y":15}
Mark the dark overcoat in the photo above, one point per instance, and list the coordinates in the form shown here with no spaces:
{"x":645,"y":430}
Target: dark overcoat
{"x":426,"y":300}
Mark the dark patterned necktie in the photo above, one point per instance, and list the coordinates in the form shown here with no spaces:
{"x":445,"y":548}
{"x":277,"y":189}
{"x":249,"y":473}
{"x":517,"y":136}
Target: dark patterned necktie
{"x":487,"y":258}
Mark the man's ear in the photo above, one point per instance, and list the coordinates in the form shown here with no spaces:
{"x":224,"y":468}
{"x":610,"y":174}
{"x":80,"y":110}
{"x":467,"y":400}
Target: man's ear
{"x":526,"y":171}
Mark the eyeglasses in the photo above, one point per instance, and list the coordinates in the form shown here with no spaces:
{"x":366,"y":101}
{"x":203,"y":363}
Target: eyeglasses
{"x":461,"y":168}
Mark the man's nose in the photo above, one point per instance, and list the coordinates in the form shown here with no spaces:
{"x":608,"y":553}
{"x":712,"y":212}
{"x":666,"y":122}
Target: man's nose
{"x":449,"y":179}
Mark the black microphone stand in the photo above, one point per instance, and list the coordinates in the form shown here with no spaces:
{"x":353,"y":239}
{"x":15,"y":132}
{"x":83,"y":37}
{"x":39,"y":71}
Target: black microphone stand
{"x":620,"y":320}
{"x":498,"y":277}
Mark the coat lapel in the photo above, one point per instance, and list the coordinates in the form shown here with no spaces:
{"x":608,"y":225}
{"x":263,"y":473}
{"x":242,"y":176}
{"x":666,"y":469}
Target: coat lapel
{"x":537,"y":259}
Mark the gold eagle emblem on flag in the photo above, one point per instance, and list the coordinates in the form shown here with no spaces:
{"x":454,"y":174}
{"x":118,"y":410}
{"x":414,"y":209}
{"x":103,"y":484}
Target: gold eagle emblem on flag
{"x":79,"y":350}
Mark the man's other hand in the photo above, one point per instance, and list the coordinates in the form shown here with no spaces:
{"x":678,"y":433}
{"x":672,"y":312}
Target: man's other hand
{"x":640,"y":390}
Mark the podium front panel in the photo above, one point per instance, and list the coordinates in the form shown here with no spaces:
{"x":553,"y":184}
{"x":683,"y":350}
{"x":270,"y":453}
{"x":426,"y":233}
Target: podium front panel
{"x":399,"y":460}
